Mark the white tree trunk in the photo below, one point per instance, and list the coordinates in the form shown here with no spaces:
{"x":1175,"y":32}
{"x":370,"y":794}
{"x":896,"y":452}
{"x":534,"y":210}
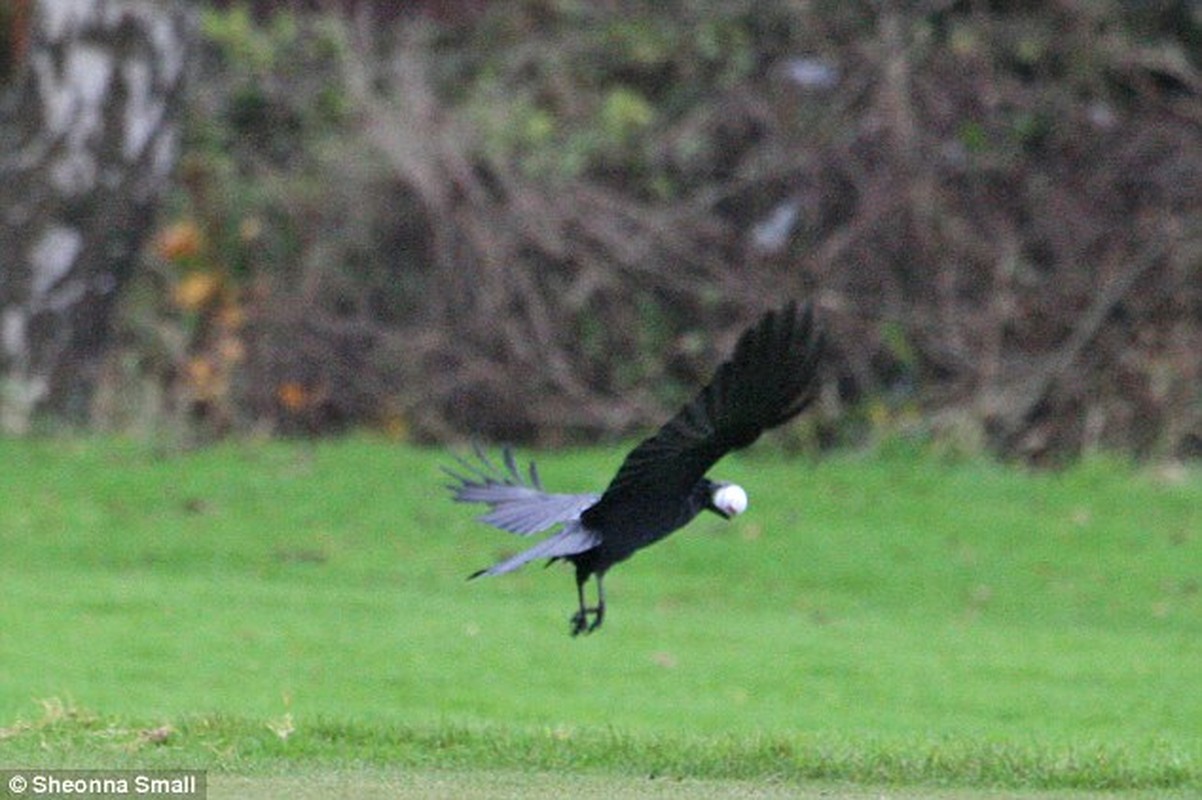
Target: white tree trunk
{"x":87,"y":143}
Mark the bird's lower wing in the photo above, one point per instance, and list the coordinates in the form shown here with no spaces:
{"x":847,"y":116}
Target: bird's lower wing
{"x":537,"y":512}
{"x":571,"y":540}
{"x":516,"y":503}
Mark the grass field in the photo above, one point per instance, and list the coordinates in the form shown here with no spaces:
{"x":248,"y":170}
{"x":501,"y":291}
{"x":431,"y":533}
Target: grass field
{"x":290,"y":616}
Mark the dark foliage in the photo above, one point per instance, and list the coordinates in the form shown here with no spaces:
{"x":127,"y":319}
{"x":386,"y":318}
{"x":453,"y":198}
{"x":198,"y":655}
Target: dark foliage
{"x":542,"y":220}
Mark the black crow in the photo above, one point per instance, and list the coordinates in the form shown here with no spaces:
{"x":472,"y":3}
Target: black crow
{"x":662,"y":484}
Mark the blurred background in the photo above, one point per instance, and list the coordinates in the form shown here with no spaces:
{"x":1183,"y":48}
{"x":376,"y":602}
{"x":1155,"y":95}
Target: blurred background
{"x":546,"y":221}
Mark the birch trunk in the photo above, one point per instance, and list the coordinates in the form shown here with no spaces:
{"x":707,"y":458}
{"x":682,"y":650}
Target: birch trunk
{"x":88,"y":140}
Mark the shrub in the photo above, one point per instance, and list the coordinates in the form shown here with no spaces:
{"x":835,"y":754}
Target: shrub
{"x":549,"y":220}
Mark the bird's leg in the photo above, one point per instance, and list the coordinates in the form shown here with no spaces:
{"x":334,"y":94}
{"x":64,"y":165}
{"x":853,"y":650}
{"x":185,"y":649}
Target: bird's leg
{"x":599,"y":611}
{"x":579,"y":620}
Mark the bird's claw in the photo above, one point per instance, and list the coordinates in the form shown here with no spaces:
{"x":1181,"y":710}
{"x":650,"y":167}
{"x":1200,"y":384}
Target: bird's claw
{"x":580,"y":623}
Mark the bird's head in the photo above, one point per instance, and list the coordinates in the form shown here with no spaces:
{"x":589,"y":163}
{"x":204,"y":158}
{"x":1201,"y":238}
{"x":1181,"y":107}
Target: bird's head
{"x":727,"y":500}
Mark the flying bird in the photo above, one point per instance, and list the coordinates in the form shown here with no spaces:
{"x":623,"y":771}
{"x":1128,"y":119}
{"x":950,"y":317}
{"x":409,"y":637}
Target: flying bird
{"x":662,"y":485}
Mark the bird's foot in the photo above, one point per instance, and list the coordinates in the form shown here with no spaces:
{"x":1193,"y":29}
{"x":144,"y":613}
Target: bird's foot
{"x":580,"y":622}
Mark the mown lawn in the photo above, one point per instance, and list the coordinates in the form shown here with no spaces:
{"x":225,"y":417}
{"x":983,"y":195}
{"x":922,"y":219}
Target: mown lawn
{"x":884,"y":619}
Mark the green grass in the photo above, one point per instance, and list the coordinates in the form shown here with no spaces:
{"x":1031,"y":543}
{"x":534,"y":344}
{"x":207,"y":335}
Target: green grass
{"x":884,"y":619}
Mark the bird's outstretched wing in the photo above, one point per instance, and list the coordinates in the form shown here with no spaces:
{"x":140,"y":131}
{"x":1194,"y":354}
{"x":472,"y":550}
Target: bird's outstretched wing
{"x":769,"y":379}
{"x":516,"y":503}
{"x":573,"y":539}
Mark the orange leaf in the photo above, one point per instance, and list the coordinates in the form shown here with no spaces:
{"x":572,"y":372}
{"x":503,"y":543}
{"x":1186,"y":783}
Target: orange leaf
{"x":292,"y":396}
{"x":178,"y":241}
{"x":196,"y":290}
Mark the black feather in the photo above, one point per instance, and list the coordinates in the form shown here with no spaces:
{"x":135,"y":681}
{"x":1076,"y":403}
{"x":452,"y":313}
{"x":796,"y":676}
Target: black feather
{"x":770,"y":378}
